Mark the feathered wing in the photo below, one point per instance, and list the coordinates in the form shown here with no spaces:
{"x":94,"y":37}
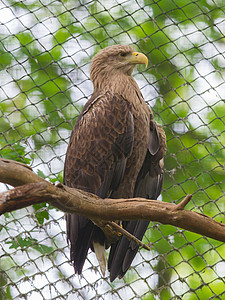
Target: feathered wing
{"x":148,"y":185}
{"x":100,"y":144}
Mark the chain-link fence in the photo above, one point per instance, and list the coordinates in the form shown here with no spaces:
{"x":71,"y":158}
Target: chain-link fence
{"x":45,"y":51}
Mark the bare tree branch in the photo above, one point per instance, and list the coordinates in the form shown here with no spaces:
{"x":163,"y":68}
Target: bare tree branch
{"x":101,"y":211}
{"x":16,"y":174}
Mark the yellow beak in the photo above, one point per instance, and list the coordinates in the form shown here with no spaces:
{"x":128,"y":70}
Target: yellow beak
{"x":139,"y":58}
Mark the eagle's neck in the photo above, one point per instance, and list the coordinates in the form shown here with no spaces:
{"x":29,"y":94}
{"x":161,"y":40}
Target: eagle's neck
{"x":120,"y":83}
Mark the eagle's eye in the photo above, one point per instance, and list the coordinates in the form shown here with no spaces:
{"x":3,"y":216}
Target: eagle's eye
{"x":123,"y":54}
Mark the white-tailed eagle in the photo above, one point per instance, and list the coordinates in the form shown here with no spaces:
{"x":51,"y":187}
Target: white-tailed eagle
{"x":116,"y":150}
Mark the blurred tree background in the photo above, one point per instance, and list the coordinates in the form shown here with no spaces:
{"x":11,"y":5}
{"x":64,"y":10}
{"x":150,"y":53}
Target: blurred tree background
{"x":45,"y":52}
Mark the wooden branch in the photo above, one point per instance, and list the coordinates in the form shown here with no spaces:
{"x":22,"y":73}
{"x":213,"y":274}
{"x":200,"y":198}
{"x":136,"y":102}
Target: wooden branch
{"x":16,"y":174}
{"x":89,"y":205}
{"x":183,"y":203}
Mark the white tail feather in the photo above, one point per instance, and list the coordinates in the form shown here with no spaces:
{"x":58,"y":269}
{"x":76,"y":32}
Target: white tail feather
{"x":100,"y":254}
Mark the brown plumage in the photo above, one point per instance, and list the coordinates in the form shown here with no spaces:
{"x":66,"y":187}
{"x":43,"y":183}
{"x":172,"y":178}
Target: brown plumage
{"x":116,"y":150}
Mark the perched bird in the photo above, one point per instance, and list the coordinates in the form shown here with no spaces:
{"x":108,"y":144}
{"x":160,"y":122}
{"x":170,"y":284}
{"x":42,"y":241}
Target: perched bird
{"x":116,"y":150}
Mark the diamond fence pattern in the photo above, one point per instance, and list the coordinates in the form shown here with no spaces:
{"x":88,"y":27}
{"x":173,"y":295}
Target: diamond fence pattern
{"x":45,"y":50}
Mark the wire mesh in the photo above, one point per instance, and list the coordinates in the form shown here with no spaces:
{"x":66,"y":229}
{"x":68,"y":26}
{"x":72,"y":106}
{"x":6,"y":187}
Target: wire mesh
{"x":45,"y":50}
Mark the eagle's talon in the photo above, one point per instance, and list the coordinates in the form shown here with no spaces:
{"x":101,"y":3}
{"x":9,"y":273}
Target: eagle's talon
{"x":119,"y":233}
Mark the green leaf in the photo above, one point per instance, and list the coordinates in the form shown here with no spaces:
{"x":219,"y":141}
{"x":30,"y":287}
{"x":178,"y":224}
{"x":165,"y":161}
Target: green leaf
{"x":41,"y":174}
{"x":14,"y":151}
{"x":25,"y":243}
{"x":43,"y":249}
{"x":40,"y":213}
{"x":21,"y":243}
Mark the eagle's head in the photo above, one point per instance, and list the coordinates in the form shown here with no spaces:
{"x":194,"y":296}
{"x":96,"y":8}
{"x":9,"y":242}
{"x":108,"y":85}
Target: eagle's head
{"x":115,"y":60}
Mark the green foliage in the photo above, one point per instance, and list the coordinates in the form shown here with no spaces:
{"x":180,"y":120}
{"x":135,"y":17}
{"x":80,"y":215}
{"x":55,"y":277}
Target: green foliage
{"x":41,"y":212}
{"x":14,"y":151}
{"x":24,"y":243}
{"x":7,"y":294}
{"x":5,"y":58}
{"x":47,"y":86}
